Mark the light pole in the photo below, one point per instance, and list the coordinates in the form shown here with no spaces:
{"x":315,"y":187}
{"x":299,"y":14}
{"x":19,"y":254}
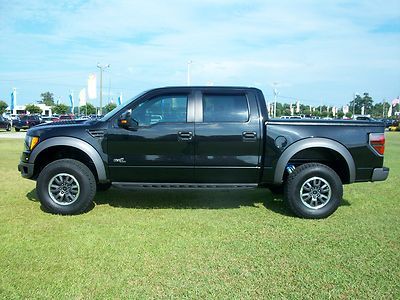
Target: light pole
{"x":275,"y":95}
{"x":188,"y":71}
{"x":102,"y":68}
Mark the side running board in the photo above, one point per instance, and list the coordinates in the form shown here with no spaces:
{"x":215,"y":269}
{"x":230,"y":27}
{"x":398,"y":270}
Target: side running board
{"x":136,"y":185}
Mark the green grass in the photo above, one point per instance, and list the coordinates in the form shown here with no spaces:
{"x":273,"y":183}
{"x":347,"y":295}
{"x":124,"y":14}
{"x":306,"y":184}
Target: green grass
{"x":199,"y":244}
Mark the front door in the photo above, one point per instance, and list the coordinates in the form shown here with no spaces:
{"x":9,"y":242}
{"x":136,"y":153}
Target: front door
{"x":161,"y":148}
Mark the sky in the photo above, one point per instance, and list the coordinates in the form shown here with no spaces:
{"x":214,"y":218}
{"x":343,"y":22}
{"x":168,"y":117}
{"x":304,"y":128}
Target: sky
{"x":317,"y":52}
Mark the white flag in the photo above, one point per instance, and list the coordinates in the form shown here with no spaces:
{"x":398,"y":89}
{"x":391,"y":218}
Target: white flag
{"x":389,"y":113}
{"x":297,"y":107}
{"x":91,"y":86}
{"x":345,"y":109}
{"x":362,"y":110}
{"x":82,"y":97}
{"x":291,"y":109}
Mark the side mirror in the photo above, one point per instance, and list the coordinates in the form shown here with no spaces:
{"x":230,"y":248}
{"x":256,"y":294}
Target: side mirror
{"x":126,"y":122}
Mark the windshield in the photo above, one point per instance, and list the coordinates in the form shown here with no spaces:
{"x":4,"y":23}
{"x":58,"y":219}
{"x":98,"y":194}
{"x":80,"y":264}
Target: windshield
{"x":119,"y":107}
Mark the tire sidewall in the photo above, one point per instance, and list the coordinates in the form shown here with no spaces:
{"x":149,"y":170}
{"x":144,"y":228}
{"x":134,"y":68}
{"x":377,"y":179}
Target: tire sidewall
{"x":57,"y":167}
{"x":319,"y":171}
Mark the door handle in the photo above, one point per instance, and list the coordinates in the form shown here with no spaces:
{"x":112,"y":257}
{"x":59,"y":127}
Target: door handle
{"x":249,"y":136}
{"x":185,"y":135}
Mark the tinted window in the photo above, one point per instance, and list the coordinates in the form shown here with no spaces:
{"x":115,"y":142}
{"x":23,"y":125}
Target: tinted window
{"x":162,"y":109}
{"x":225,"y":108}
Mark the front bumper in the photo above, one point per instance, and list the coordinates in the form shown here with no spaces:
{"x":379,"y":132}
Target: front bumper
{"x":26,"y":169}
{"x":380,"y":174}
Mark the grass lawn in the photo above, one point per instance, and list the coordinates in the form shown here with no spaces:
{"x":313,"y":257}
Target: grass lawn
{"x":199,"y":244}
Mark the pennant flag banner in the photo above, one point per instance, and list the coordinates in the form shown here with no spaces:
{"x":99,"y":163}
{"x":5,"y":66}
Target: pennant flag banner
{"x":12,"y":105}
{"x":91,"y":87}
{"x":82,"y":97}
{"x":120,"y":99}
{"x":389,"y":113}
{"x":71,"y":99}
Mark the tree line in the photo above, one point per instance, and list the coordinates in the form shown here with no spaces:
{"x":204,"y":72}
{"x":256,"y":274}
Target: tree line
{"x":59,"y":108}
{"x":355,"y":106}
{"x":377,"y":110}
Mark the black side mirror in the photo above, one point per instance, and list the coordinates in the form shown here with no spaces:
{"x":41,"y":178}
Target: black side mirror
{"x":126,"y":122}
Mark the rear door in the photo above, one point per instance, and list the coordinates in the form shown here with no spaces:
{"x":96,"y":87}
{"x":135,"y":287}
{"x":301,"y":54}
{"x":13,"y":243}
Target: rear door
{"x":228,"y":136}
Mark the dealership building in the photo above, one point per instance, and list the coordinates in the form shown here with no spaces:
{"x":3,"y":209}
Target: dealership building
{"x":21,"y":109}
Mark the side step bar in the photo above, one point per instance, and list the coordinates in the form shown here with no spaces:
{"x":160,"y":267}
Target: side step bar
{"x":147,"y":185}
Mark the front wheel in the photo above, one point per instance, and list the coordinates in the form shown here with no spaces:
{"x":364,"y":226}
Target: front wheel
{"x":66,"y":187}
{"x":17,"y":129}
{"x":8,"y":127}
{"x":313,"y":191}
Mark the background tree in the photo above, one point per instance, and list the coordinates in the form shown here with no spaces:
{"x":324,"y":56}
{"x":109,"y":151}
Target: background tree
{"x":60,"y":109}
{"x":340,"y":114}
{"x":88,"y":109}
{"x":109,"y":107}
{"x":359,"y":102}
{"x":3,"y":107}
{"x":47,"y":98}
{"x":33,"y":109}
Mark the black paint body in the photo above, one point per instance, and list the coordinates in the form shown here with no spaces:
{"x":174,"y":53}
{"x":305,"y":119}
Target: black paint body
{"x":201,"y":152}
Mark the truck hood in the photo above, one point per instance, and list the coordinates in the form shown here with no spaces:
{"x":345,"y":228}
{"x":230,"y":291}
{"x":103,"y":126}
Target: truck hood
{"x":61,"y":126}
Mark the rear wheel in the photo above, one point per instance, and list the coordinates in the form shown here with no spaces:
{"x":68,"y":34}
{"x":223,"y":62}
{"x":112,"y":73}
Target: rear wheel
{"x":313,"y":191}
{"x":66,"y":187}
{"x":8,"y":128}
{"x":17,"y":129}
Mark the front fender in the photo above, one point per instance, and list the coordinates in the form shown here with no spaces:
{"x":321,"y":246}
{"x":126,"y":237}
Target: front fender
{"x":76,"y":143}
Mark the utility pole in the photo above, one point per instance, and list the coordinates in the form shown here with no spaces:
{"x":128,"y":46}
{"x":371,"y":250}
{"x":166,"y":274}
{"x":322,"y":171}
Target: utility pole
{"x":102,"y":68}
{"x":188,"y":71}
{"x":275,"y":95}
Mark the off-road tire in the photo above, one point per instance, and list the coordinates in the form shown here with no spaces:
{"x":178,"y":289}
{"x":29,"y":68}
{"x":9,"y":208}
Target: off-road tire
{"x":80,"y":172}
{"x":299,"y":177}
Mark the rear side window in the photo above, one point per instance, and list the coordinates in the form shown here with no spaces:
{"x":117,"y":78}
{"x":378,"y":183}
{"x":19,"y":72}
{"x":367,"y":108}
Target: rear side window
{"x":225,"y":108}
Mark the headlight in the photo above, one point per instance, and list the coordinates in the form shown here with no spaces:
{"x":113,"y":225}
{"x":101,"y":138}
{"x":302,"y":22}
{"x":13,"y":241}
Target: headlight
{"x":31,"y":142}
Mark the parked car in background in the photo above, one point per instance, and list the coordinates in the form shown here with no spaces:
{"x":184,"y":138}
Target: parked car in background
{"x":5,"y":124}
{"x":48,"y":120}
{"x":66,"y":117}
{"x":26,"y":122}
{"x":395,"y":126}
{"x":364,"y":118}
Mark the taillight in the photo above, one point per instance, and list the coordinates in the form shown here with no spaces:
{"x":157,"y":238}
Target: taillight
{"x":377,"y":142}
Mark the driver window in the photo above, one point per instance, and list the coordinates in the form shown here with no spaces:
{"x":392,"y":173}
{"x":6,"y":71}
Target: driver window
{"x":161,"y":109}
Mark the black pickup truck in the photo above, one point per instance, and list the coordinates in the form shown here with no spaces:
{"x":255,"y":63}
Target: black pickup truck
{"x":202,"y":137}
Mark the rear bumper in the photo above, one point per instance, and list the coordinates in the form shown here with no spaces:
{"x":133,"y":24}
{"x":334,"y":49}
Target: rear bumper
{"x":26,"y":169}
{"x":380,"y":174}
